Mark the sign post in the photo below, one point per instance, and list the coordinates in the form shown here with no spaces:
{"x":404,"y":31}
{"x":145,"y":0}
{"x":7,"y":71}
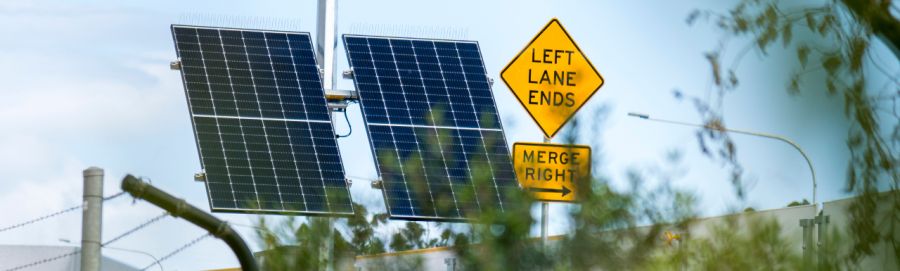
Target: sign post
{"x":552,"y":79}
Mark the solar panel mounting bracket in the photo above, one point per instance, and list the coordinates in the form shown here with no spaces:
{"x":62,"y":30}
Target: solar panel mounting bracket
{"x":200,"y":177}
{"x":377,"y":184}
{"x":339,"y":106}
{"x":175,"y":65}
{"x":336,"y":95}
{"x":348,"y":74}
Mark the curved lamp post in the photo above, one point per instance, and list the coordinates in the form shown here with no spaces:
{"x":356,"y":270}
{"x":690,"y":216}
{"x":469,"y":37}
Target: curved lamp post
{"x":722,"y":129}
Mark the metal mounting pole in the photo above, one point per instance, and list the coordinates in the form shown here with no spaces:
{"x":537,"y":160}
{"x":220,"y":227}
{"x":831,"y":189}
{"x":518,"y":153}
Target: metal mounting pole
{"x":545,"y":213}
{"x":92,"y":219}
{"x":326,"y":30}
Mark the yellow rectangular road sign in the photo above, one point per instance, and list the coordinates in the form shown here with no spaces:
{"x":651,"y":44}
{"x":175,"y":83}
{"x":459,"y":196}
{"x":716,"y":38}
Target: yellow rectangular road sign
{"x":552,"y":78}
{"x":552,"y":172}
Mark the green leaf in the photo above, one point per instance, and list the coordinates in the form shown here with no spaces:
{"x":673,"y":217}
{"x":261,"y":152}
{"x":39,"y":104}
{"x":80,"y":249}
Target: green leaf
{"x":826,"y":22}
{"x":740,"y":24}
{"x":692,"y":17}
{"x":713,"y":58}
{"x":831,"y":64}
{"x":858,"y":46}
{"x":811,"y":21}
{"x":766,"y":37}
{"x":771,"y":14}
{"x":794,"y":85}
{"x":829,"y":84}
{"x":732,"y":78}
{"x":786,"y":34}
{"x":803,"y":54}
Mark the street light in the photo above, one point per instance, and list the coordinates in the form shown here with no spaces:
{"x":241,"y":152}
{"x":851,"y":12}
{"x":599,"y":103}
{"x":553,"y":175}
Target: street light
{"x":722,"y":129}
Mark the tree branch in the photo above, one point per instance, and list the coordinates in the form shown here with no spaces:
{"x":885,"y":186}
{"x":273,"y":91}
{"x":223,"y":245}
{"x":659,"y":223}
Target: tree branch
{"x":876,"y":15}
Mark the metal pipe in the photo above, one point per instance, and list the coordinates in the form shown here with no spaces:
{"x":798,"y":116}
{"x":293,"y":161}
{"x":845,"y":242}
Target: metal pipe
{"x":722,"y":129}
{"x":180,"y":208}
{"x":92,"y":219}
{"x":326,"y":40}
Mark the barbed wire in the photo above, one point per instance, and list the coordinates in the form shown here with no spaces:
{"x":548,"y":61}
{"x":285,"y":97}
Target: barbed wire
{"x":113,"y":196}
{"x":178,"y":250}
{"x":39,"y":219}
{"x":54,"y":214}
{"x":137,"y":228}
{"x":43,"y":261}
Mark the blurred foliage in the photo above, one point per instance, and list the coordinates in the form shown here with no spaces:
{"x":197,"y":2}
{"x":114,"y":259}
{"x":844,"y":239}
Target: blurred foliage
{"x":800,"y":203}
{"x":761,"y":247}
{"x":647,"y":224}
{"x":833,"y":38}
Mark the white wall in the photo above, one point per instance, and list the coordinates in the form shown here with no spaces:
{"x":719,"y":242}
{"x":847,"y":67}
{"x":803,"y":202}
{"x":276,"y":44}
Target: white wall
{"x":12,"y":256}
{"x":788,"y":218}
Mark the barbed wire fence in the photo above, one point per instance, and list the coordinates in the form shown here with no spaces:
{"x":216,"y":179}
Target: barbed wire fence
{"x":77,"y":251}
{"x":178,"y":250}
{"x":136,"y":228}
{"x":44,"y":261}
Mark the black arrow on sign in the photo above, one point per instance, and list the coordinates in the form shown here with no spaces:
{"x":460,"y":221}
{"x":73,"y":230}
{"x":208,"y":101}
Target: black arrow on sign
{"x":565,"y":190}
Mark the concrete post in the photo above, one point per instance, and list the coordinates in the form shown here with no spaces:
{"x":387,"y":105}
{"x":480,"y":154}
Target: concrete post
{"x":808,"y":243}
{"x":821,"y":226}
{"x":92,"y":219}
{"x":451,"y":264}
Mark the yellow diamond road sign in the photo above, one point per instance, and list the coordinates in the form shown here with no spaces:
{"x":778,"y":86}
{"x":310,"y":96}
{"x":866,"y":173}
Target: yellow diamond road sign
{"x":552,"y":172}
{"x":552,"y":78}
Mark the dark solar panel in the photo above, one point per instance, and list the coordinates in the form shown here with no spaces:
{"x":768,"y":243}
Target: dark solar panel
{"x":433,"y":125}
{"x":261,"y":122}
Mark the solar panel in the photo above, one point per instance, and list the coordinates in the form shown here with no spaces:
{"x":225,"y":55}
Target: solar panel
{"x":263,"y":130}
{"x":434,"y":127}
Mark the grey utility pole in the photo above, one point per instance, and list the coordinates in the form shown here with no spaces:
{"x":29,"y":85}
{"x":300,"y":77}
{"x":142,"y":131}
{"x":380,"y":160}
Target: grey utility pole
{"x":326,"y":41}
{"x":545,"y":215}
{"x":92,"y":219}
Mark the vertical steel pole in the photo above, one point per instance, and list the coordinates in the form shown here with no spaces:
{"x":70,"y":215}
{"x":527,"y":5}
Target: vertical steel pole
{"x":326,"y":27}
{"x":545,"y":213}
{"x":326,"y":30}
{"x":92,"y":219}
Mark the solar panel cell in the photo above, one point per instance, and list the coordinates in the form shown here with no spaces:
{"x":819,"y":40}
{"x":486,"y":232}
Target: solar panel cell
{"x":433,"y":125}
{"x":263,"y":130}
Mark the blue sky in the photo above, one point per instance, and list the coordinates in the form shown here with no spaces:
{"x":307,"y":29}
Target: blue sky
{"x":88,"y":84}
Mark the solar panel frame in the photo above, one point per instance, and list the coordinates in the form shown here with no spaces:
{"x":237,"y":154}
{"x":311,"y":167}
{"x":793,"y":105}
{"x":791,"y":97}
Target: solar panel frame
{"x":292,"y":123}
{"x":372,"y":140}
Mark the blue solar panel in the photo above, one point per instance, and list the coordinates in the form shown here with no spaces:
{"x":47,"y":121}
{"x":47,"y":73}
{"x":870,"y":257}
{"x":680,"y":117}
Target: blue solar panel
{"x":434,"y":126}
{"x":263,"y":129}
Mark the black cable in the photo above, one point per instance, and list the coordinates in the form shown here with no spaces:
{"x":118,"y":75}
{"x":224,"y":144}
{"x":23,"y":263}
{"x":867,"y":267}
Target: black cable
{"x":346,"y":118}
